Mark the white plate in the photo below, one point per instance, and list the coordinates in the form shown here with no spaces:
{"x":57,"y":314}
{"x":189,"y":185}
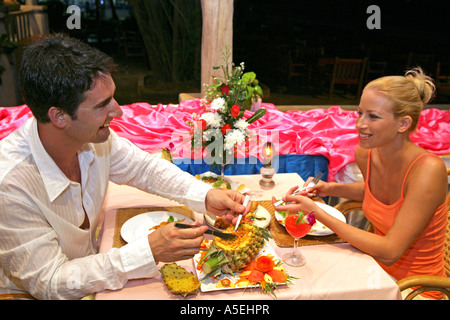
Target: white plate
{"x":140,"y":224}
{"x":318,"y":229}
{"x":262,"y":213}
{"x":259,"y":212}
{"x":209,"y":284}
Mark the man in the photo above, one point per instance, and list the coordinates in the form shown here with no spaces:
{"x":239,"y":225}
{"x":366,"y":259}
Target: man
{"x":54,"y":173}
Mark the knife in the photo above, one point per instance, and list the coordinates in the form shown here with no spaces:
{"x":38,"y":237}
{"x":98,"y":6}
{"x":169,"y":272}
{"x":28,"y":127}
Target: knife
{"x":246,"y":200}
{"x":226,"y":236}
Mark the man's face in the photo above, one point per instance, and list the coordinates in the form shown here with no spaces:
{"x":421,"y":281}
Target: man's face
{"x":95,"y":113}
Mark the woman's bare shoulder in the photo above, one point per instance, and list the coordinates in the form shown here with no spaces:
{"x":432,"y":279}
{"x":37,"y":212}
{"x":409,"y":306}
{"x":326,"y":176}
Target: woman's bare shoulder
{"x":431,"y":171}
{"x":361,"y":156}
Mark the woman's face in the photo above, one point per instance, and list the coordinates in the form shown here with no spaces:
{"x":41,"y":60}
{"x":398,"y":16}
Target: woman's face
{"x":376,"y":123}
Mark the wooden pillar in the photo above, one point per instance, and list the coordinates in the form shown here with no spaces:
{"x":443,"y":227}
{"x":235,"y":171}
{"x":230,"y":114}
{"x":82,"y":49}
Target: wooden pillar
{"x":217,"y":32}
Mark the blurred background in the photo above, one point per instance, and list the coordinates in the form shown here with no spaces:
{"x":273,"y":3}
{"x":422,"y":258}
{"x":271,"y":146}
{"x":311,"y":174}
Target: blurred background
{"x":290,"y":45}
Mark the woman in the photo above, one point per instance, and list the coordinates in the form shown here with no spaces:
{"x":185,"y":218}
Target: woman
{"x":404,"y":187}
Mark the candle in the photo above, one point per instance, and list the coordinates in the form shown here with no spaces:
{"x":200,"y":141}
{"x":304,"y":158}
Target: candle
{"x":267,"y":171}
{"x":268,"y":150}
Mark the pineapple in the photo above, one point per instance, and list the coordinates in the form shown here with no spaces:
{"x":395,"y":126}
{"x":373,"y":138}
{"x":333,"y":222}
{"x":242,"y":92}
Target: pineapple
{"x":178,"y":280}
{"x":228,"y":256}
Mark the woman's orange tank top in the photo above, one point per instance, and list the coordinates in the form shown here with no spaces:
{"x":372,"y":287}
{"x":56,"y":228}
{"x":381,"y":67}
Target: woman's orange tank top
{"x":426,"y":254}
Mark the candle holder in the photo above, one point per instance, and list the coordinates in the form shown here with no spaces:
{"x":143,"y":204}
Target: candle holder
{"x":267,"y":170}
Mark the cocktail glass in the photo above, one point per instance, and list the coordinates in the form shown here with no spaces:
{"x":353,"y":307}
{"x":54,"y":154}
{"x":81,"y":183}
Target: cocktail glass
{"x":297,"y":228}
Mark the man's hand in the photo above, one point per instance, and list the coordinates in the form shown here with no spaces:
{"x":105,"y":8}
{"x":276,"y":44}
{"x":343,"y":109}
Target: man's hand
{"x":169,"y":243}
{"x":227,"y":204}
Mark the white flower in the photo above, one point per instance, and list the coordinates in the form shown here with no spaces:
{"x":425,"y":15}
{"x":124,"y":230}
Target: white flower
{"x":241,"y":124}
{"x":228,"y":144}
{"x":213,"y":120}
{"x":218,"y":104}
{"x":232,"y":138}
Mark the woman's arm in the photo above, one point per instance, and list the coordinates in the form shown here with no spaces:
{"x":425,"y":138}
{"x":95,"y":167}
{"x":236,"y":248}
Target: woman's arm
{"x":353,"y":191}
{"x":425,"y":191}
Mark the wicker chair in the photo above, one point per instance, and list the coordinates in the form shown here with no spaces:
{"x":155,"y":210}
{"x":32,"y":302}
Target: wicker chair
{"x":424,"y":283}
{"x":16,"y":296}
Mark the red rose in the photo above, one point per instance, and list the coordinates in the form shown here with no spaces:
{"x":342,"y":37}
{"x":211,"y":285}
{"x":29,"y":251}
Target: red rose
{"x":235,"y":111}
{"x":225,"y":128}
{"x":225,"y":89}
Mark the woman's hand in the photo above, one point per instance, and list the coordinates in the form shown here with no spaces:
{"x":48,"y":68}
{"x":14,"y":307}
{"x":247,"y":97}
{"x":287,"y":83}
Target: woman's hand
{"x":321,"y":189}
{"x":296,"y":203}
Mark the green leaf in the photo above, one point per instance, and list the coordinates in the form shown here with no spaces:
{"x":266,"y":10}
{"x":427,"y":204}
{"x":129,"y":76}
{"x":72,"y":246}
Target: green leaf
{"x":248,"y":77}
{"x":258,"y":114}
{"x":250,"y":91}
{"x":259,"y":90}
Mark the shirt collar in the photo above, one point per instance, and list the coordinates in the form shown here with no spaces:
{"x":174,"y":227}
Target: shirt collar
{"x":55,"y":181}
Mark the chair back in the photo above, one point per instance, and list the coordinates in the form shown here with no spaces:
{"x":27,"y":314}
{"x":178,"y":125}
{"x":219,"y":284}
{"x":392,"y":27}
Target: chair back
{"x":442,"y":79}
{"x":348,"y":71}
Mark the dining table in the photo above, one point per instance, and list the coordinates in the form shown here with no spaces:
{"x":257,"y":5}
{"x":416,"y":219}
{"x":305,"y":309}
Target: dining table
{"x":334,"y":270}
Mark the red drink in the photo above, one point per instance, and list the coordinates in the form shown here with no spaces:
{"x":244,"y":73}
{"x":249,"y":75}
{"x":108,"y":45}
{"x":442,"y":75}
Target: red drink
{"x":296,"y":230}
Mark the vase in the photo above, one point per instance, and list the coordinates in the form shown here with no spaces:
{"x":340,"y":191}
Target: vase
{"x":256,"y":105}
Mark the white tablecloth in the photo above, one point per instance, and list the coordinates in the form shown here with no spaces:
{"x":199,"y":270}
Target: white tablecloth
{"x":336,"y":271}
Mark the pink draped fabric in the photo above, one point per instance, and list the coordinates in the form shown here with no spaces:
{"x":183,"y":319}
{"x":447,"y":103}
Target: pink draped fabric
{"x":12,"y":118}
{"x":329,"y":132}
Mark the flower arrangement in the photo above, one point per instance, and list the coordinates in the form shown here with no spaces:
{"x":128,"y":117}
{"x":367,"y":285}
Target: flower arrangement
{"x":236,"y":87}
{"x":222,"y":121}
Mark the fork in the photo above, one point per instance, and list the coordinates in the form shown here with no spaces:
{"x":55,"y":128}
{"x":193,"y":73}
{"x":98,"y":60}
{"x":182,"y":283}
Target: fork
{"x":246,"y":200}
{"x":310,"y":185}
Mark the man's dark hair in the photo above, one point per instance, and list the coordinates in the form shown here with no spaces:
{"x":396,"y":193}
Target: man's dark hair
{"x":57,"y":71}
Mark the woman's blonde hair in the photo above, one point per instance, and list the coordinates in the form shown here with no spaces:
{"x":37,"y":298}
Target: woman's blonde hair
{"x":408,"y":93}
